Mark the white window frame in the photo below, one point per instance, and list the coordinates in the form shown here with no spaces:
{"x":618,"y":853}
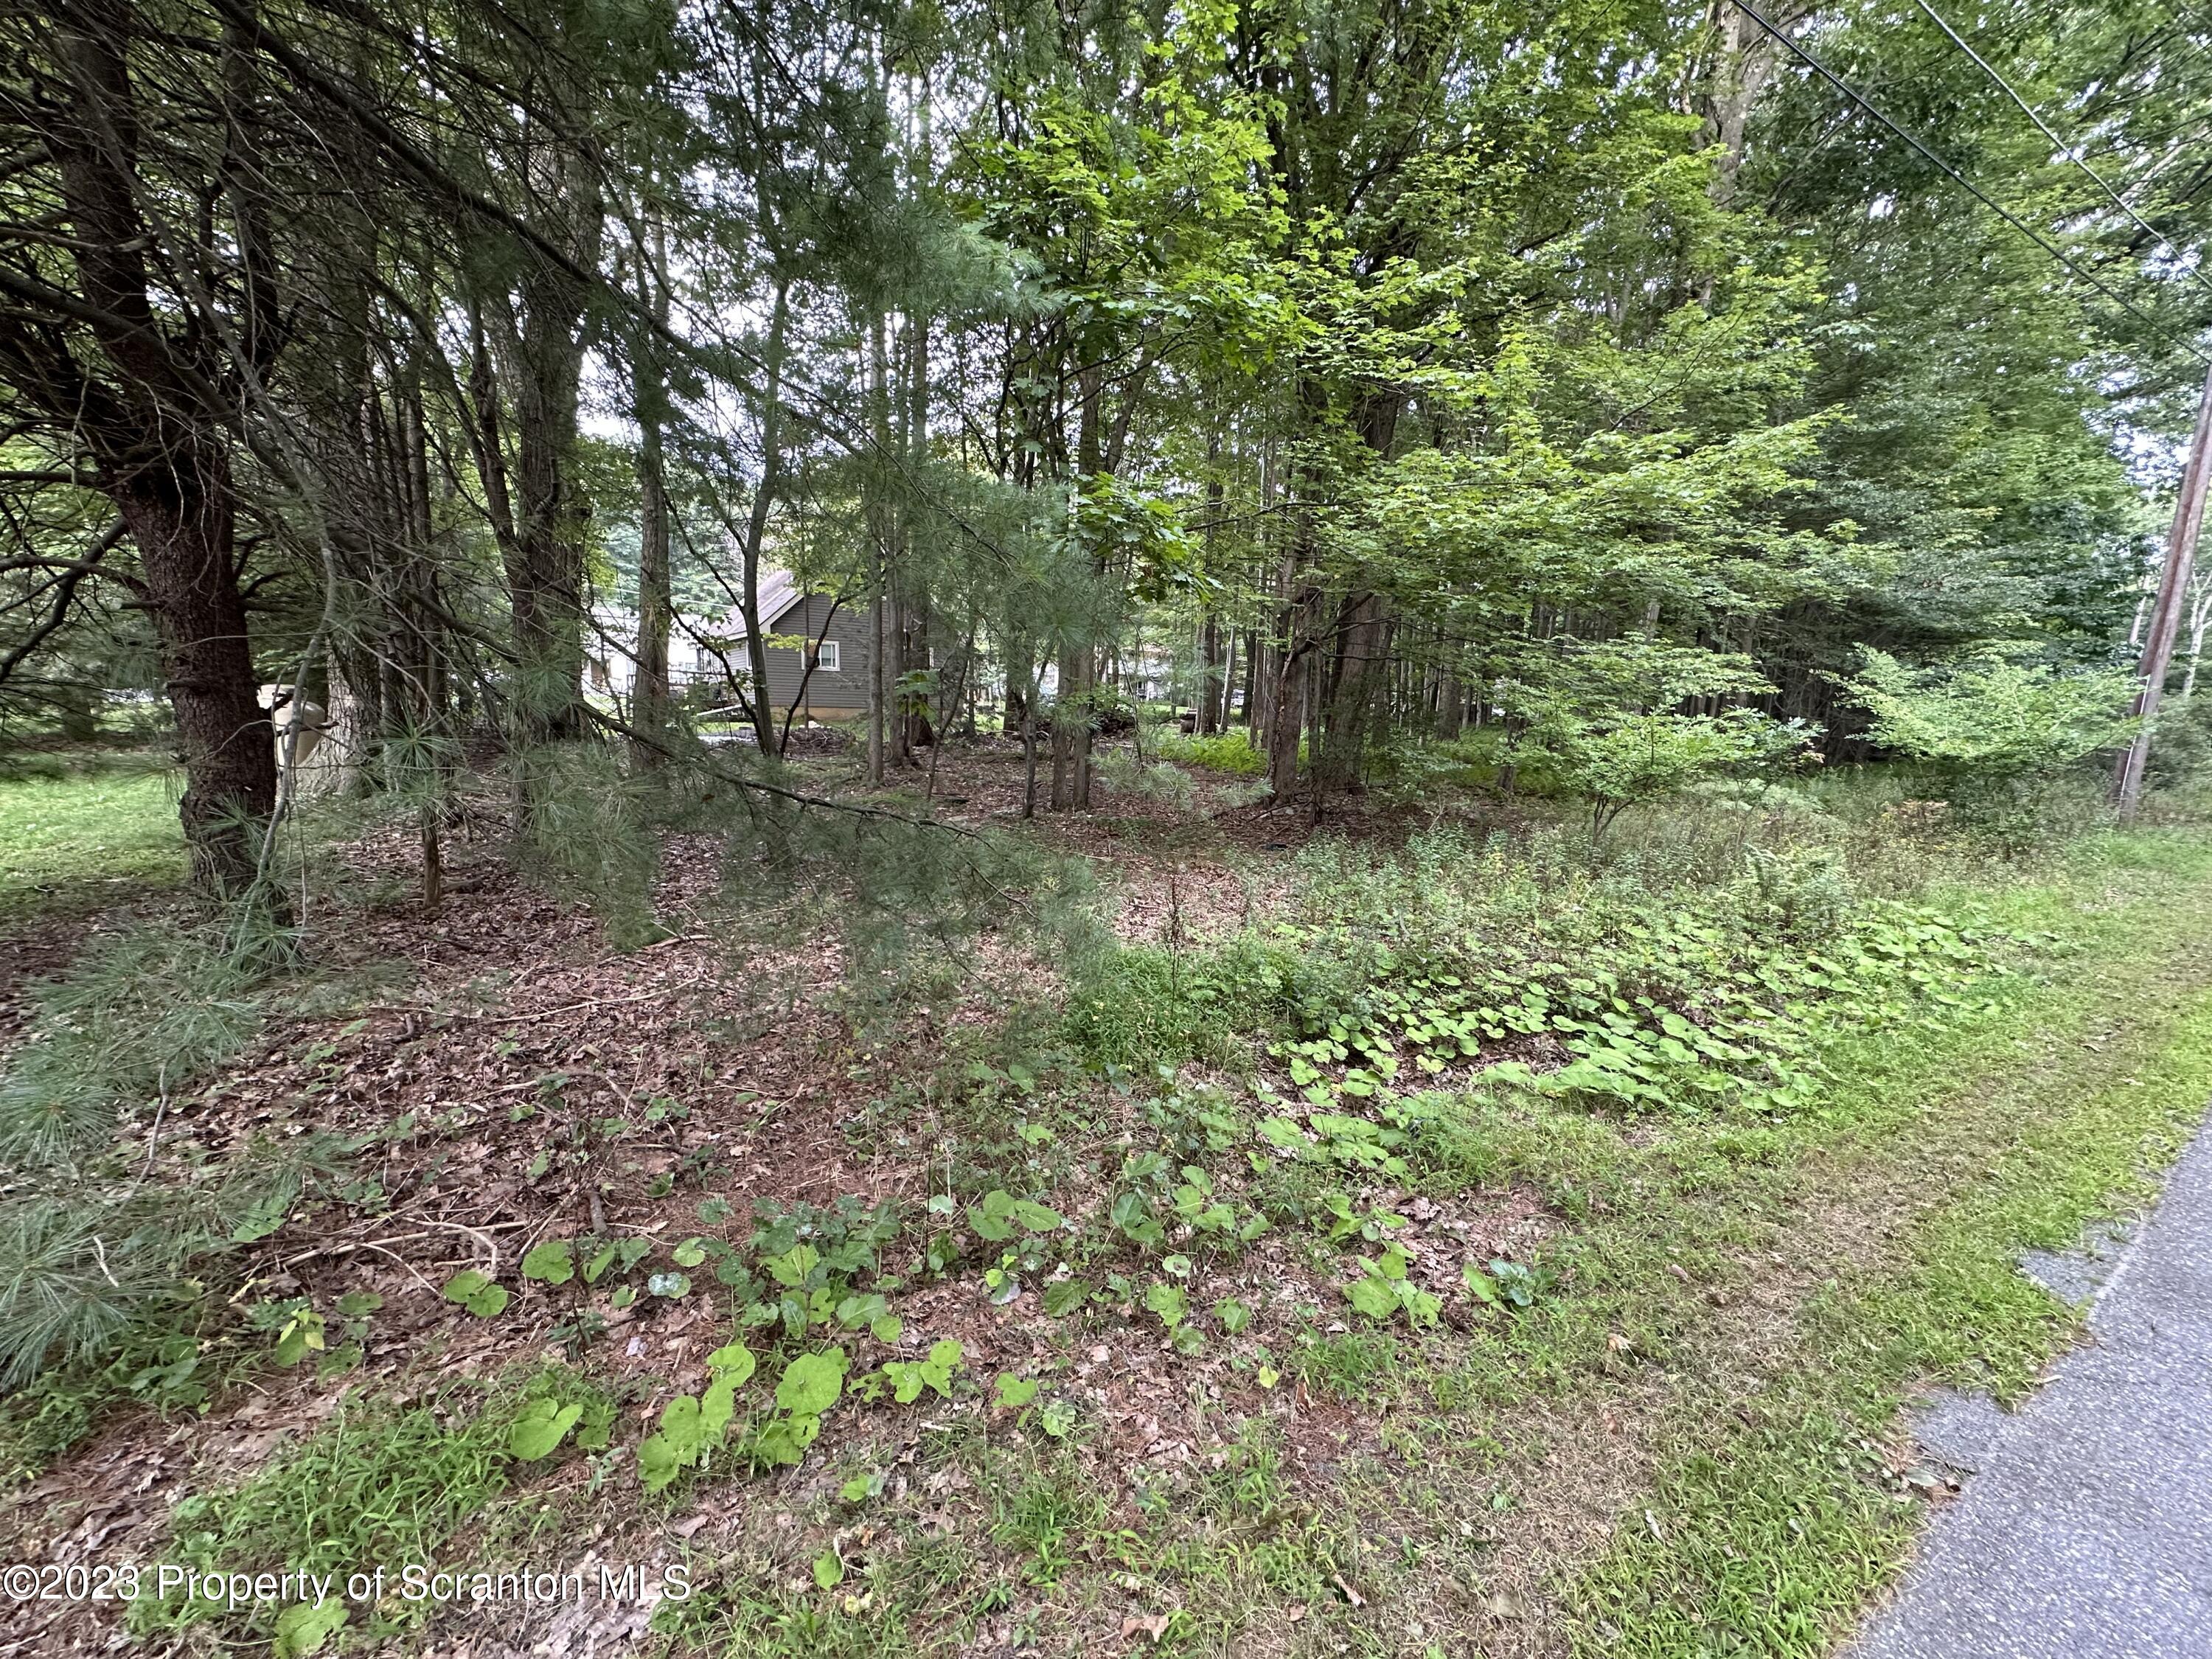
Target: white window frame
{"x":828,"y":658}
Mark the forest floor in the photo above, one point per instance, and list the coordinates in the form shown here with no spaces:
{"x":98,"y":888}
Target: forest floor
{"x":1257,"y":1350}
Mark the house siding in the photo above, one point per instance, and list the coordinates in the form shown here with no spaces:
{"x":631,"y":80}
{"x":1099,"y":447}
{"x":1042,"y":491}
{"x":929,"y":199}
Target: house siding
{"x":831,"y":696}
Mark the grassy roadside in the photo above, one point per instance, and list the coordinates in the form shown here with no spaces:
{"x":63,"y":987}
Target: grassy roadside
{"x":1777,"y":1511}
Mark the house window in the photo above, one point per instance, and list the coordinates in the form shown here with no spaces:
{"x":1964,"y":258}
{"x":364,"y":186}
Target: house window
{"x":825,"y":657}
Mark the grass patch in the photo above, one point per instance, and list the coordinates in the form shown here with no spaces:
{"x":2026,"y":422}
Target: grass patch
{"x":73,"y":838}
{"x":376,"y":1485}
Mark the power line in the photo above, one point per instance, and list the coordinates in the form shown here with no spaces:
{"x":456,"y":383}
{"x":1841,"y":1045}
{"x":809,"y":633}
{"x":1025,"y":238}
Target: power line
{"x":2063,"y":148}
{"x":1958,"y":178}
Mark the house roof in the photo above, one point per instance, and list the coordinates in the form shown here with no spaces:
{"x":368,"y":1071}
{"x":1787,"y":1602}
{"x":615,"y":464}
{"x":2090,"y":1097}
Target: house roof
{"x":780,"y":595}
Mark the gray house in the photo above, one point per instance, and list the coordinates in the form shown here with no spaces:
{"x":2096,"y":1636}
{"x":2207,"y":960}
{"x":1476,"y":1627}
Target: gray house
{"x":826,"y":678}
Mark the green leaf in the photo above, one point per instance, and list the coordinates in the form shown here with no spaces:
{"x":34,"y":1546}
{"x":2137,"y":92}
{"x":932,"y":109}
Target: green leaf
{"x":944,"y":1357}
{"x":261,"y":1219}
{"x":1035,"y":1217}
{"x":991,"y":1218}
{"x":860,"y":1310}
{"x":596,"y":1428}
{"x":1372,"y":1295}
{"x":1014,"y":1392}
{"x":888,"y":1329}
{"x":539,"y":1427}
{"x":1063,"y":1296}
{"x":658,"y":1462}
{"x":553,"y":1263}
{"x":794,"y":1267}
{"x":673,"y":1285}
{"x":717,"y":1405}
{"x":475,"y":1292}
{"x":303,"y":1627}
{"x":1234,"y":1315}
{"x":1169,"y":1302}
{"x":734,"y":1361}
{"x":690,"y":1253}
{"x":828,"y":1569}
{"x":679,"y":1422}
{"x":810,"y":1383}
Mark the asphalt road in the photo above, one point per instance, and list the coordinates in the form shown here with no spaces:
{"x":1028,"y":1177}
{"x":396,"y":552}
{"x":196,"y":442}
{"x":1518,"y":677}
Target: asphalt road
{"x":2084,"y":1530}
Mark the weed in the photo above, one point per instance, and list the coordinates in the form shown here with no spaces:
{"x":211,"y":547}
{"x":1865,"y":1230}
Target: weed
{"x":1038,"y":1516}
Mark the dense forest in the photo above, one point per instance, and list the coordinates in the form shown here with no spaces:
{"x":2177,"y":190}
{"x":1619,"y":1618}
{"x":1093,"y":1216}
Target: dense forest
{"x":989,"y":669}
{"x":1616,"y":386}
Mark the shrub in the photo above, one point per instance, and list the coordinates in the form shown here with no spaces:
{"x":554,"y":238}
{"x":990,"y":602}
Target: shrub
{"x":1997,"y":733}
{"x":1230,"y":751}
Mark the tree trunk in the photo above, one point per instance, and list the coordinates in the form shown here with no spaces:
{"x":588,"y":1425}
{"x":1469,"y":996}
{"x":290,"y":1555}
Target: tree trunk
{"x":182,"y":520}
{"x":543,"y":359}
{"x":1361,"y":671}
{"x":757,"y":520}
{"x":164,"y":461}
{"x":1212,"y":689}
{"x":652,"y":698}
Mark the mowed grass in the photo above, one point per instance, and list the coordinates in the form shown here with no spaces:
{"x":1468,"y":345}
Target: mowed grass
{"x":89,"y":837}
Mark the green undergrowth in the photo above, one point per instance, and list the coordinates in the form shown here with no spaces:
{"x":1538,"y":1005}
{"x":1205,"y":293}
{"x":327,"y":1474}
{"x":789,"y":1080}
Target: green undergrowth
{"x":1229,"y":751}
{"x":1601,"y":989}
{"x":1669,"y":1071}
{"x":2000,"y":1135}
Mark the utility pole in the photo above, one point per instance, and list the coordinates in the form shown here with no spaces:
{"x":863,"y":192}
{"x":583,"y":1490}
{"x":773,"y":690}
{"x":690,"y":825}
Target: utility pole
{"x":2165,"y":615}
